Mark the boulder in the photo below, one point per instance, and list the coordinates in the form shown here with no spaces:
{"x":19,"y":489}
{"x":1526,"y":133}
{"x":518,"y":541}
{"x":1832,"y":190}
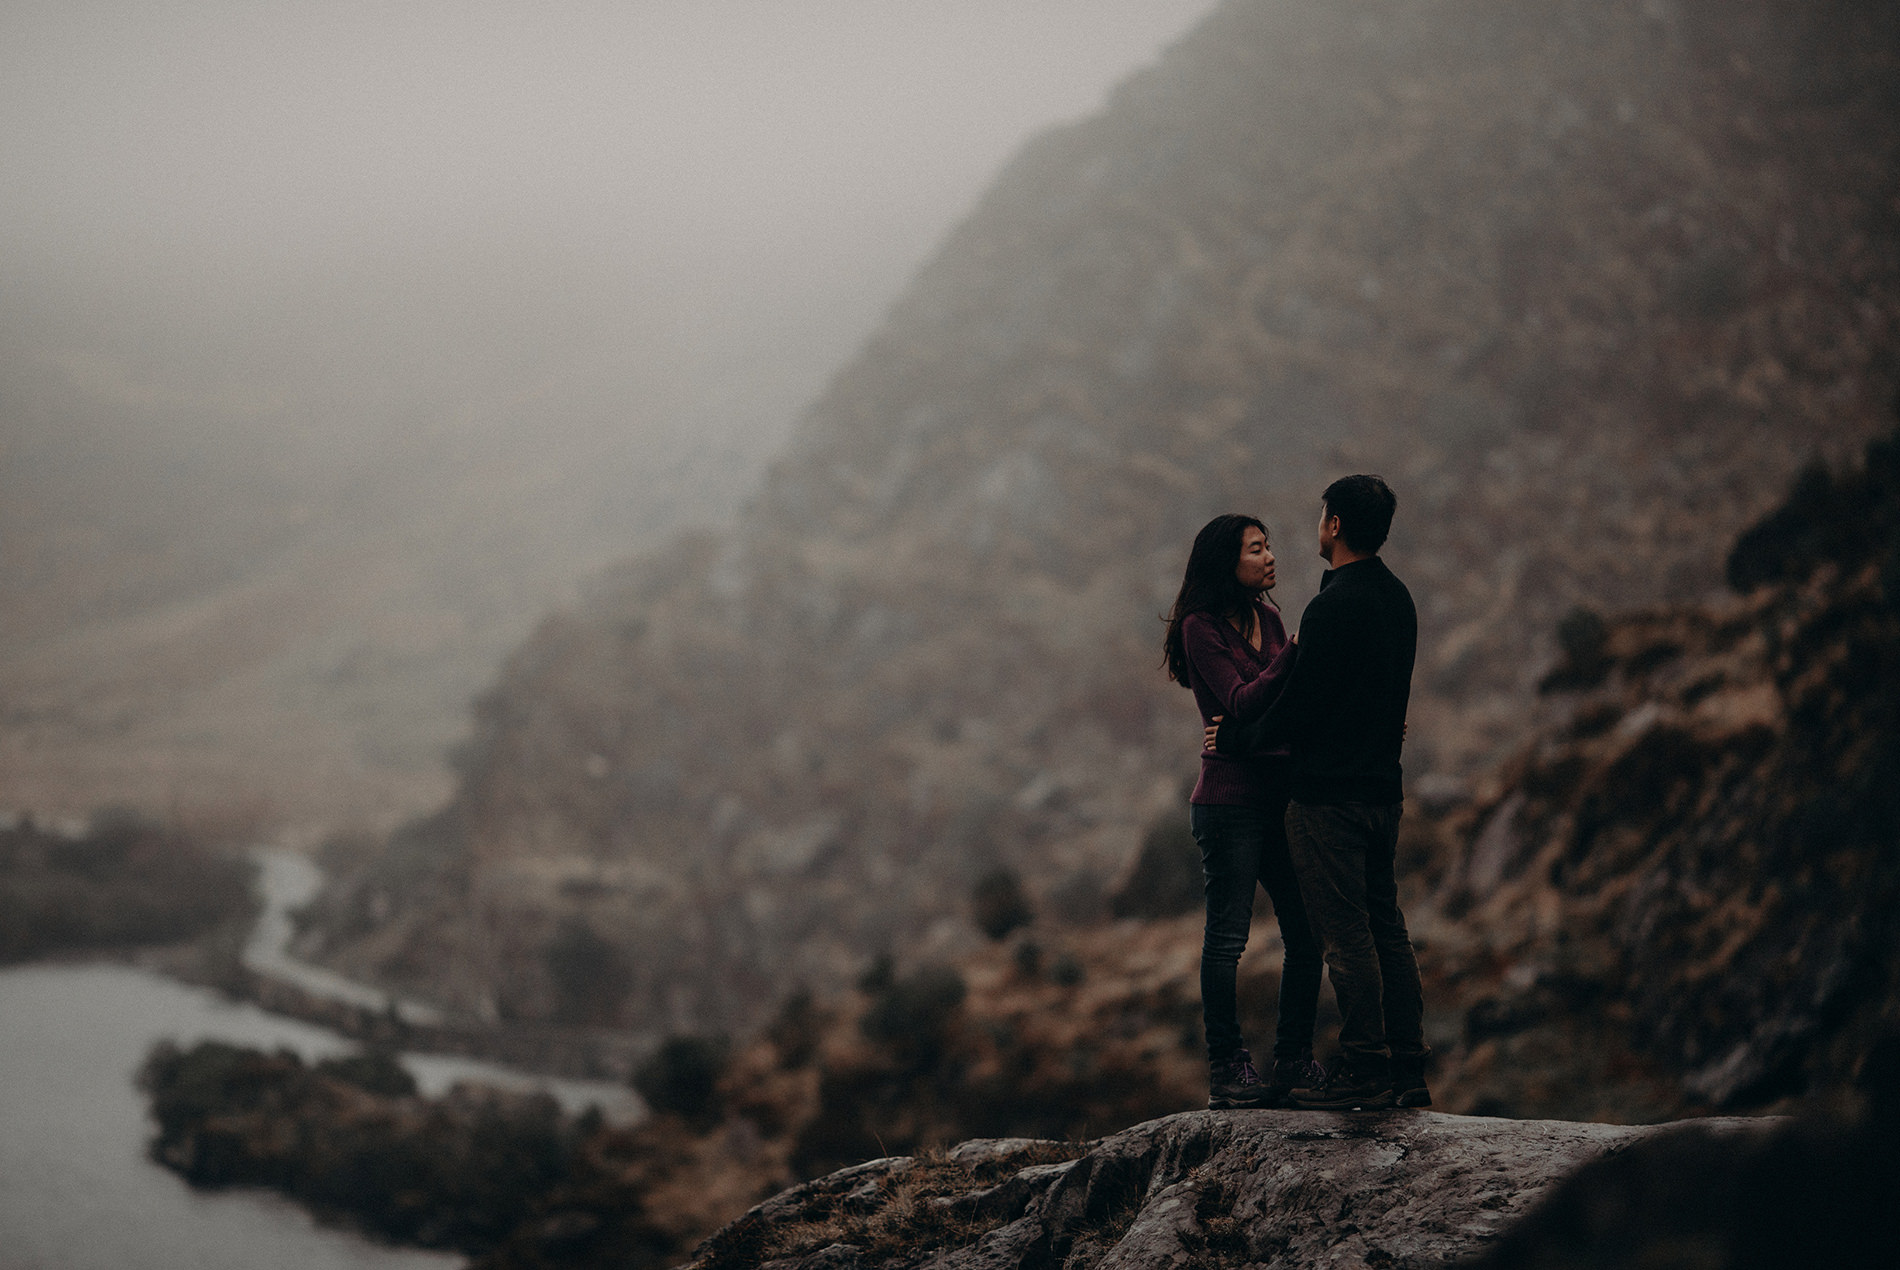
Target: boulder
{"x":1286,"y":1189}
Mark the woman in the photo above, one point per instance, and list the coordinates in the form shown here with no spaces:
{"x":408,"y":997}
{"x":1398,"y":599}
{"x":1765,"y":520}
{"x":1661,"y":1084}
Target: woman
{"x":1231,"y":649}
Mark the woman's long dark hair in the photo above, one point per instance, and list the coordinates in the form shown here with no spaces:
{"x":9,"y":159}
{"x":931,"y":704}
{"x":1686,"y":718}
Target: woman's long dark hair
{"x":1210,"y":587}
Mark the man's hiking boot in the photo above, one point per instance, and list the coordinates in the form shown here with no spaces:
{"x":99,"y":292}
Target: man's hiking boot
{"x":1290,"y":1074}
{"x":1344,"y":1089}
{"x":1408,"y":1083}
{"x":1235,"y":1083}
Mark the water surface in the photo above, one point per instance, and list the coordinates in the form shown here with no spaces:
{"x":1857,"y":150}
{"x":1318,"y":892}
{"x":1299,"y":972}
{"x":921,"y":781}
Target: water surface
{"x":76,"y":1189}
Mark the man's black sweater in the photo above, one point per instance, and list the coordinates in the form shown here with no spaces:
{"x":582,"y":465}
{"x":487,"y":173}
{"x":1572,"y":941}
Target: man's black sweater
{"x":1343,"y":708}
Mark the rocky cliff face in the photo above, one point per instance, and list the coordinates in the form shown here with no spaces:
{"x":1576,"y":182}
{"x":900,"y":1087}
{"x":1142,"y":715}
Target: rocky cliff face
{"x":1587,"y":282}
{"x":1696,"y":860}
{"x":1678,"y":897}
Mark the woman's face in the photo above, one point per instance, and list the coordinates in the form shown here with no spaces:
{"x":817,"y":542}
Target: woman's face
{"x":1255,"y":570}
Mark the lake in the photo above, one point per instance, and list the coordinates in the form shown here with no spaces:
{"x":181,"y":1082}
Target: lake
{"x":77,"y":1191}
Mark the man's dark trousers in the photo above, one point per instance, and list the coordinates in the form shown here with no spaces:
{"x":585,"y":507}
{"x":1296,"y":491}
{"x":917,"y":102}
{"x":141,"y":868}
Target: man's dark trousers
{"x":1344,"y":855}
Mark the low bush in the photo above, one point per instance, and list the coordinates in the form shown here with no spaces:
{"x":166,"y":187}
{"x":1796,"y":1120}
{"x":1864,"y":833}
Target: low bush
{"x":682,"y":1077}
{"x":1166,"y":880}
{"x":469,"y":1172}
{"x":998,"y":903}
{"x":125,"y":882}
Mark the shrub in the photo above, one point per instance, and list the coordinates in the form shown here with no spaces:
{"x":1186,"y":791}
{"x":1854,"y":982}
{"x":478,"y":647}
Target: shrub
{"x":1028,"y":959}
{"x":376,"y":1071}
{"x":879,"y":975}
{"x":682,"y":1076}
{"x":1848,"y":518}
{"x":796,"y":1029}
{"x":127,"y":881}
{"x":188,"y":1087}
{"x":913,"y":1014}
{"x":1583,"y":636}
{"x":1066,"y":971}
{"x":999,"y":903}
{"x":1166,"y":880}
{"x":591,"y":975}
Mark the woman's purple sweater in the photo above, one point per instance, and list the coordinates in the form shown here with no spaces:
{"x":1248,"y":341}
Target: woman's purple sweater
{"x":1232,"y":678}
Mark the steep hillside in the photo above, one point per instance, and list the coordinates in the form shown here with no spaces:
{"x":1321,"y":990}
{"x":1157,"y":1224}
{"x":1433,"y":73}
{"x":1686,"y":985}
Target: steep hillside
{"x":1587,"y":282}
{"x":1697,"y":862}
{"x":1679,"y":896}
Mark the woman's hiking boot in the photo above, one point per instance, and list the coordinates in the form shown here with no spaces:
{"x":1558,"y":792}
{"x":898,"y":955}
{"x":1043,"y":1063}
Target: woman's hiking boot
{"x":1235,"y":1083}
{"x":1290,"y":1074}
{"x":1345,"y":1088}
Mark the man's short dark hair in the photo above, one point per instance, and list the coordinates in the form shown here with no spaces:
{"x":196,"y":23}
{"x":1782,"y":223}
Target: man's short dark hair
{"x":1364,"y":505}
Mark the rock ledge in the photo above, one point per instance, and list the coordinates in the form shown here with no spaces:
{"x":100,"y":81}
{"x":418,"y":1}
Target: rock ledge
{"x":1287,"y":1189}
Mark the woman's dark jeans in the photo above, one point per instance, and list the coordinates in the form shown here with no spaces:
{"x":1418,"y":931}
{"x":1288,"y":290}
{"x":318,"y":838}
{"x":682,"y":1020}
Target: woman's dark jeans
{"x":1239,"y":847}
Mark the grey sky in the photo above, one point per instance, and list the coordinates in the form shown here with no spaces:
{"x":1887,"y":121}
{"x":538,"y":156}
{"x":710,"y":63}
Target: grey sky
{"x":713,"y":166}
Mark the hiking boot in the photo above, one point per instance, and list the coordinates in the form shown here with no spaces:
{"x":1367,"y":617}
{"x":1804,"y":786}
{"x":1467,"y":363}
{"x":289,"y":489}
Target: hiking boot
{"x":1408,"y":1083}
{"x":1344,"y":1089}
{"x":1290,"y":1074}
{"x":1235,"y":1083}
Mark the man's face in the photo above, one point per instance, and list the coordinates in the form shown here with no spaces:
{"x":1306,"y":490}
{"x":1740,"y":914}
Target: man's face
{"x":1328,"y":533}
{"x":1255,"y":568}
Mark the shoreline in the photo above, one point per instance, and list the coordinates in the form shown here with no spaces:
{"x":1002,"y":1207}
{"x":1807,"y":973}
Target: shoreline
{"x":249,"y":962}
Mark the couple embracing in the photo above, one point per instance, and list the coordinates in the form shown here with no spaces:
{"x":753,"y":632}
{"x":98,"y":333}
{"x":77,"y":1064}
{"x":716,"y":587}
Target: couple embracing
{"x":1300,"y":792}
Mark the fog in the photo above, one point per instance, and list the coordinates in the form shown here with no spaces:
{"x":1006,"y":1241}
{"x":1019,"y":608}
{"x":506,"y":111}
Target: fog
{"x":338,"y":341}
{"x":341,"y":344}
{"x":220,"y":194}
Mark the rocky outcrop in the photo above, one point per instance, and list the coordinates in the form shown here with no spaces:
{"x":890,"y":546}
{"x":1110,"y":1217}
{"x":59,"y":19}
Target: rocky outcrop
{"x":1697,"y":858}
{"x":1289,"y":1189}
{"x":1814,"y":1192}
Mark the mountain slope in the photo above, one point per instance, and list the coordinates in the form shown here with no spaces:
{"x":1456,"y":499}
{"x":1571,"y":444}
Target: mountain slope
{"x":1697,"y":859}
{"x":1586,"y":282}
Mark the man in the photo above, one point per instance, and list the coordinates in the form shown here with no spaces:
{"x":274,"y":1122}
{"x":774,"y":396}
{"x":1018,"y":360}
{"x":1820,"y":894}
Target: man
{"x":1343,"y":713}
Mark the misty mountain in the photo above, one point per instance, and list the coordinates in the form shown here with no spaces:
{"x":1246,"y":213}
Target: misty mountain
{"x":1586,"y":282}
{"x":257,"y":563}
{"x":336,"y":346}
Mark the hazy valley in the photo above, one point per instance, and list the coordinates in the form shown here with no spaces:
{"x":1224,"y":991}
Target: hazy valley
{"x":821,"y":778}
